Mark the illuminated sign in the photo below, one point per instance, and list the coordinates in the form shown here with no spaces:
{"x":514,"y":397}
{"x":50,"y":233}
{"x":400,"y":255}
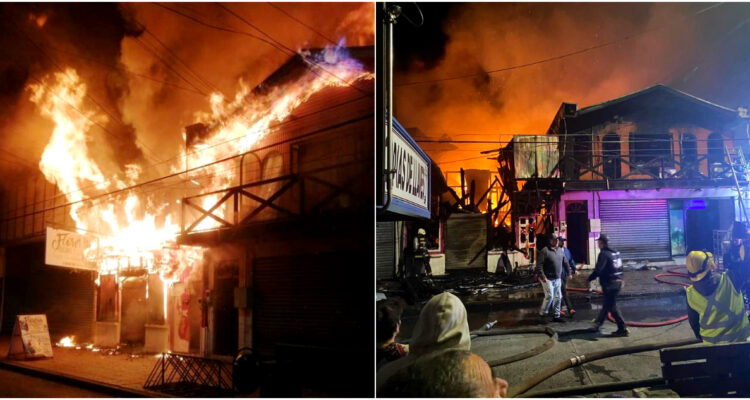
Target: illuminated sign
{"x":411,"y":177}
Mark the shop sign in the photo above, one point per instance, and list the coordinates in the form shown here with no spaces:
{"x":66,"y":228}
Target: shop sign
{"x":411,"y":176}
{"x":66,"y":248}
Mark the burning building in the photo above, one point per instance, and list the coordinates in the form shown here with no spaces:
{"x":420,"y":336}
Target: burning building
{"x":252,"y":236}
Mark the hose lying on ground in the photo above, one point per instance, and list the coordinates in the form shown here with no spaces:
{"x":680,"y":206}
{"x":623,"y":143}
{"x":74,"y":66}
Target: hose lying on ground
{"x":523,"y":355}
{"x":658,"y":278}
{"x":529,"y":383}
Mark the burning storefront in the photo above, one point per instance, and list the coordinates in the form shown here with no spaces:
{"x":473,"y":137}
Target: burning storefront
{"x":255,"y":236}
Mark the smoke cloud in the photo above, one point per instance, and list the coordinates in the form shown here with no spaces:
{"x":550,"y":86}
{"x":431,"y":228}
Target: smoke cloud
{"x":149,"y":70}
{"x":668,"y":43}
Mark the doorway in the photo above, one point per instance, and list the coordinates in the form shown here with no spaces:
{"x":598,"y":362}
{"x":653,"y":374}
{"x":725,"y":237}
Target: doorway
{"x":702,"y":217}
{"x":576,"y":216}
{"x":134,"y":309}
{"x":226,"y":315}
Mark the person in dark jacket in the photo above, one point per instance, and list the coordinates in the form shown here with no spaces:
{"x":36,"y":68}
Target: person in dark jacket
{"x":716,"y":311}
{"x":570,"y":271}
{"x":609,"y":271}
{"x":549,"y":265}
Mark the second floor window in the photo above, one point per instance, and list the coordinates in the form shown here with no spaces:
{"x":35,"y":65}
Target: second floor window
{"x":650,"y":153}
{"x":689,"y":154}
{"x":611,"y":155}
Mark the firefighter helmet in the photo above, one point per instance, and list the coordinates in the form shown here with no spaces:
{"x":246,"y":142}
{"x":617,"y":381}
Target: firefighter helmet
{"x":421,"y":232}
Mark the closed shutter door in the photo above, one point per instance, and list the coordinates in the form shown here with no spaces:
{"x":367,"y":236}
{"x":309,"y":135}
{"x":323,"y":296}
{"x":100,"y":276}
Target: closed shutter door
{"x":385,"y":246}
{"x":65,"y":295}
{"x":466,"y":241}
{"x":638,"y":229}
{"x":314,"y":300}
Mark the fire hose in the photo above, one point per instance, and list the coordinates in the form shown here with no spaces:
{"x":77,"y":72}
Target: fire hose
{"x":523,"y":355}
{"x":526,"y":385}
{"x":658,"y":278}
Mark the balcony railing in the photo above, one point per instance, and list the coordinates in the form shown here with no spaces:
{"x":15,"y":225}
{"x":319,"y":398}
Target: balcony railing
{"x":331,"y":190}
{"x":629,"y":167}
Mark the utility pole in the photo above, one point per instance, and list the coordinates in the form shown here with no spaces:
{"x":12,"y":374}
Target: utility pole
{"x":386,"y":15}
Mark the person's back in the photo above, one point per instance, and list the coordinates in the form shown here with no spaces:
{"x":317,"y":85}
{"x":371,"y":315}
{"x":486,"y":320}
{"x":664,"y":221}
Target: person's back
{"x":442,"y":325}
{"x":448,"y":373}
{"x":716,"y":310}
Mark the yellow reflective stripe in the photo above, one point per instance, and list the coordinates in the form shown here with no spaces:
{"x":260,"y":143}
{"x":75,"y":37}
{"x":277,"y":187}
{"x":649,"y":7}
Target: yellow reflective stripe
{"x":722,"y":315}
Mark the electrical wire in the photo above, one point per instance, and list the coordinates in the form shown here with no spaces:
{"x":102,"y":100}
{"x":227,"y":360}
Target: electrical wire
{"x":188,"y":171}
{"x":302,"y":23}
{"x":212,"y":26}
{"x":558,"y":57}
{"x":420,"y":16}
{"x":88,"y":95}
{"x":197,"y":151}
{"x":292,"y":52}
{"x":200,"y":79}
{"x":155,"y":53}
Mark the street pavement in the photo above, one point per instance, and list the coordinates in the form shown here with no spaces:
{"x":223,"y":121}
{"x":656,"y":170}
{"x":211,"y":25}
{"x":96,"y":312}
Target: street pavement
{"x":643,"y":300}
{"x":14,"y":384}
{"x":623,"y":368}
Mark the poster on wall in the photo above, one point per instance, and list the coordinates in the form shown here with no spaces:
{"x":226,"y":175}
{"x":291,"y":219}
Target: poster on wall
{"x":180,"y":318}
{"x":30,"y":338}
{"x":65,"y":248}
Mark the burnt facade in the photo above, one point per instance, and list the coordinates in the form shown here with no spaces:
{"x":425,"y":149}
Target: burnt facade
{"x":654,"y":169}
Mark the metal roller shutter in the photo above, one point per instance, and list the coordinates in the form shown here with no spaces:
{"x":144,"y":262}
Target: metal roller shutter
{"x":65,"y":295}
{"x":466,"y":240}
{"x":638,"y":229}
{"x":311,"y":299}
{"x":385,"y":247}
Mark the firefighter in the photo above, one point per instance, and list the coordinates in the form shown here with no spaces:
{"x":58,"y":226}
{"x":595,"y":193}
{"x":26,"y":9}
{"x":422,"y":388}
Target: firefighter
{"x":716,"y":311}
{"x":421,"y":254}
{"x":609,"y":271}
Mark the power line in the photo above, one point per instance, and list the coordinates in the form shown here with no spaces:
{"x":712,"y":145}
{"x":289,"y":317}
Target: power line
{"x":292,"y":52}
{"x":155,"y":53}
{"x":190,"y":70}
{"x":302,"y":23}
{"x":272,"y":42}
{"x":88,"y":95}
{"x":196,"y":151}
{"x":212,"y":26}
{"x":555,"y":58}
{"x":120,"y":68}
{"x":187,"y":171}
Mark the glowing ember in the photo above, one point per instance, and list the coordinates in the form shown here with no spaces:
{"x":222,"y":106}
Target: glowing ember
{"x":67,"y":341}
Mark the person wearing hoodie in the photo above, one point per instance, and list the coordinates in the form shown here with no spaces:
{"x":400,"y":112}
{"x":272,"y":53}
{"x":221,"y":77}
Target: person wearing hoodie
{"x":449,"y":373}
{"x":716,"y":311}
{"x":442,"y":325}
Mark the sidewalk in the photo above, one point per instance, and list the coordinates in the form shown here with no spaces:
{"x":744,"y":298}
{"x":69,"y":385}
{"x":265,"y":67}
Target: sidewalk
{"x":123,"y":374}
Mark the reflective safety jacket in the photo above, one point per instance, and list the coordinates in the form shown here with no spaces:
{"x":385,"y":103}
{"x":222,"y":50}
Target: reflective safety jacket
{"x":722,"y":314}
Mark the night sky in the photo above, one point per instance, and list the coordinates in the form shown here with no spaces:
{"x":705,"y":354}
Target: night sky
{"x":699,"y":48}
